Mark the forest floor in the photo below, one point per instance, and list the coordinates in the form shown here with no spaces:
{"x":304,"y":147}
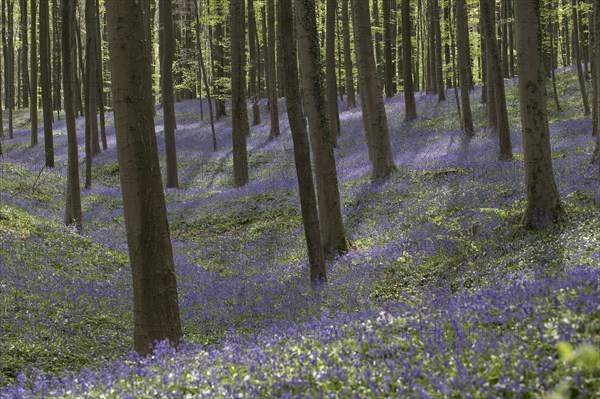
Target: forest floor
{"x":442,"y":295}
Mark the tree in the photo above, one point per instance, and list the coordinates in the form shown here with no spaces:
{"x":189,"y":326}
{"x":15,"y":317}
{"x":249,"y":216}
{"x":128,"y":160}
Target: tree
{"x":333,"y":235}
{"x":331,"y":84}
{"x":308,"y":200}
{"x":409,"y":95}
{"x":596,"y":80}
{"x":577,"y":53}
{"x":168,"y":102}
{"x":463,"y":64}
{"x":156,"y":308}
{"x":388,"y":41}
{"x":25,"y":49}
{"x":45,"y":81}
{"x":543,"y":203}
{"x":497,"y":80}
{"x":254,"y":61}
{"x":34,"y":78}
{"x":73,"y":198}
{"x":374,"y":116}
{"x":239,"y":112}
{"x":272,"y":75}
{"x":91,"y":76}
{"x":348,"y":69}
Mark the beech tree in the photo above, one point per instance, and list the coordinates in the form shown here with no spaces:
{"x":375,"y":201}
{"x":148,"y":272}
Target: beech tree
{"x":331,"y":83}
{"x":348,"y":68}
{"x":306,"y":187}
{"x":543,"y":203}
{"x":333,"y":235}
{"x":33,"y":109}
{"x":239,"y":112}
{"x":45,"y":82}
{"x":272,"y":71}
{"x":407,"y":72}
{"x":374,"y":116}
{"x":155,"y":307}
{"x":463,"y":65}
{"x":73,"y":214}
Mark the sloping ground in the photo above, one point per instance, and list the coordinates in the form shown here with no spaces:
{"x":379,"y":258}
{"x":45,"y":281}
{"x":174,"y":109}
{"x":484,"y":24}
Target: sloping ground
{"x":441,"y":294}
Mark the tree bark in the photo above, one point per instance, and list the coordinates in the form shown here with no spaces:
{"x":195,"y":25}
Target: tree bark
{"x":577,"y":53}
{"x":73,"y":196}
{"x":348,"y":68}
{"x":331,"y":84}
{"x":463,"y":64}
{"x":33,"y":109}
{"x":375,"y":119}
{"x":273,"y":106}
{"x":155,"y":308}
{"x":543,"y":203}
{"x":56,"y":60}
{"x":25,"y":88}
{"x":91,"y":76}
{"x":239,"y":112}
{"x":46,"y":83}
{"x":333,"y":235}
{"x":409,"y":96}
{"x":168,"y":102}
{"x":439,"y":72}
{"x":388,"y":39}
{"x":497,"y":81}
{"x":308,"y":200}
{"x":253,"y":44}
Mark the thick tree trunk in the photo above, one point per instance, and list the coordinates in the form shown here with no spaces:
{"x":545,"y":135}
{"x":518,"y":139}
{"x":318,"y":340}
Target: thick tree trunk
{"x":239,"y":112}
{"x":497,"y":81}
{"x":168,"y":102}
{"x":333,"y":235}
{"x":33,"y":109}
{"x":273,"y":106}
{"x":543,"y":203}
{"x":463,"y":64}
{"x":375,"y":119}
{"x":155,"y":308}
{"x":46,"y":83}
{"x":73,"y":196}
{"x":409,"y":96}
{"x":331,"y":84}
{"x":308,"y":200}
{"x":348,"y":69}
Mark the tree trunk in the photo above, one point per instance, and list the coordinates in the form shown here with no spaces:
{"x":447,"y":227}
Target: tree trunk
{"x":56,"y":60}
{"x":308,"y":201}
{"x":205,"y":77}
{"x":543,"y":203}
{"x":25,"y":88}
{"x":273,"y":106}
{"x":168,"y":102}
{"x":219,"y":63}
{"x":333,"y":235}
{"x":463,"y":64}
{"x":156,"y":309}
{"x":33,"y":109}
{"x":577,"y":53}
{"x":10,"y":80}
{"x":596,"y":79}
{"x":409,"y":96}
{"x":375,"y":120}
{"x":378,"y":40}
{"x":239,"y":112}
{"x":73,"y":197}
{"x":331,"y":84}
{"x":99,"y":79}
{"x":46,"y":83}
{"x":254,"y":60}
{"x":349,"y":74}
{"x":497,"y":81}
{"x":91,"y":76}
{"x":388,"y":39}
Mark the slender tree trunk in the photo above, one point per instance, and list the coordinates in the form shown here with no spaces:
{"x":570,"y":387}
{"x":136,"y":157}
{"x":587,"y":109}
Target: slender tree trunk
{"x":348,"y":68}
{"x":553,"y":66}
{"x":10,"y":81}
{"x":73,"y":197}
{"x":254,"y":56}
{"x":56,"y":60}
{"x":46,"y":83}
{"x":375,"y":120}
{"x":409,"y":96}
{"x":219,"y":63}
{"x":308,"y":200}
{"x":239,"y":112}
{"x":155,"y":308}
{"x":99,"y":78}
{"x":389,"y":68}
{"x":333,"y":235}
{"x":91,"y":76}
{"x":596,"y":81}
{"x":543,"y":203}
{"x":378,"y":40}
{"x":577,"y":53}
{"x":168,"y":102}
{"x":33,"y":109}
{"x":330,"y":83}
{"x":511,"y":39}
{"x":497,"y":81}
{"x":463,"y":64}
{"x":25,"y":88}
{"x":273,"y":106}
